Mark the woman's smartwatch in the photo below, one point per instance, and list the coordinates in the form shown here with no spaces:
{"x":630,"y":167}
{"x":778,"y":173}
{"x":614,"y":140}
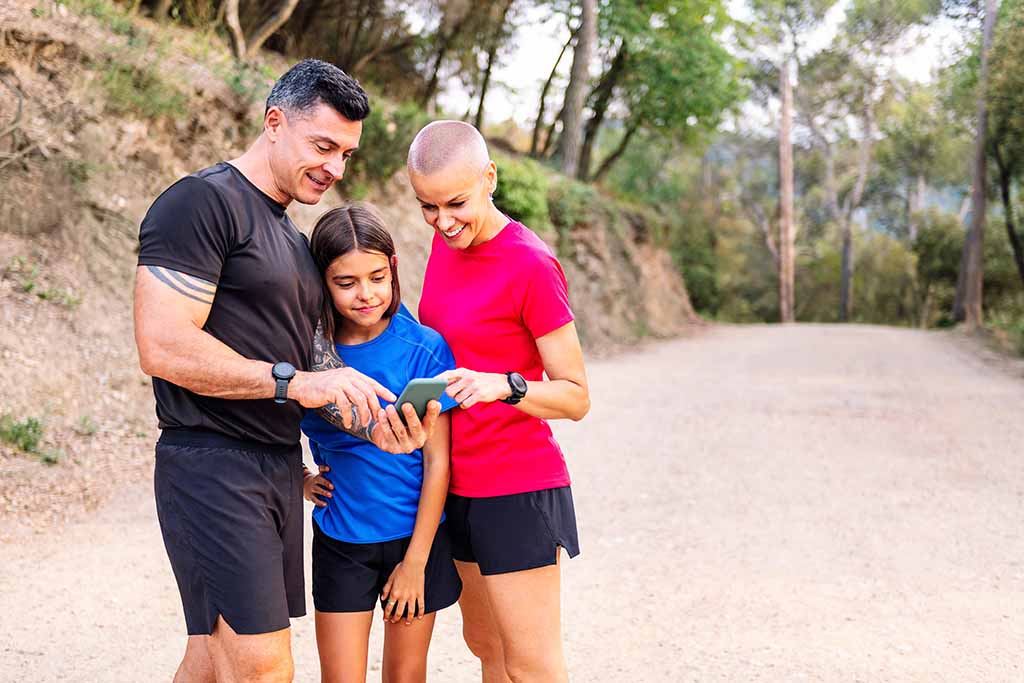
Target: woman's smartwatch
{"x":518,"y":385}
{"x":283,"y":373}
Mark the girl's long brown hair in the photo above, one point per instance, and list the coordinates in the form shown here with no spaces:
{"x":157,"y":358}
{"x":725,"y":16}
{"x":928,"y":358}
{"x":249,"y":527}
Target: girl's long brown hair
{"x":342,"y":230}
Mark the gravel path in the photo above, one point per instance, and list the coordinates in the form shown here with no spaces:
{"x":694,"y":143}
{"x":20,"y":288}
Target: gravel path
{"x":755,"y":503}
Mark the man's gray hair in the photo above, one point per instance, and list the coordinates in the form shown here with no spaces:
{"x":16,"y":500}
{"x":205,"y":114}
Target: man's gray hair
{"x":312,"y":82}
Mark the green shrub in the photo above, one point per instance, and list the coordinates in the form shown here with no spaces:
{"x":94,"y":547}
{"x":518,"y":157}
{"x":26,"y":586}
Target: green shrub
{"x":26,"y":276}
{"x":114,"y":17}
{"x":522,"y":191}
{"x":140,"y":91}
{"x":250,"y":83}
{"x":87,"y":426}
{"x":571,"y":203}
{"x":24,"y":434}
{"x":382,"y":148}
{"x":52,"y":456}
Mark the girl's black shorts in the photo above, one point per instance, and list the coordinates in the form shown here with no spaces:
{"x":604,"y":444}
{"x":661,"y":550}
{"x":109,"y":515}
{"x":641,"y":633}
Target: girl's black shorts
{"x":512,"y":533}
{"x":348,"y":577}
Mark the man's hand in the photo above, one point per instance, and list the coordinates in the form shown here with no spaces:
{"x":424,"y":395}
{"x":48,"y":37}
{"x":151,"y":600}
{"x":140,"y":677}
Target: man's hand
{"x":391,"y":436}
{"x":346,"y":388}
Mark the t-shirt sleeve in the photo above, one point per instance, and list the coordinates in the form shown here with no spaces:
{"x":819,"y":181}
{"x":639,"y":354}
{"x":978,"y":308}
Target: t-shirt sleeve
{"x":438,"y":359}
{"x":188,"y":230}
{"x":546,"y":298}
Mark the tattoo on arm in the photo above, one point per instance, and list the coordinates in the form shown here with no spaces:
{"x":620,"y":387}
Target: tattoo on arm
{"x":325,"y":357}
{"x":193,"y":287}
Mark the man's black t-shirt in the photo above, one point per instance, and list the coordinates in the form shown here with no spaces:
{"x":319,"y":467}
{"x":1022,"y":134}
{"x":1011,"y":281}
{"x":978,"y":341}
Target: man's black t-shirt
{"x":218,"y":226}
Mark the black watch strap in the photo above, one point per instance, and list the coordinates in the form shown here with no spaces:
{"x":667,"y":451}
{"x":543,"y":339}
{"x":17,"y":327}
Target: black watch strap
{"x":517,"y":383}
{"x":283,"y":374}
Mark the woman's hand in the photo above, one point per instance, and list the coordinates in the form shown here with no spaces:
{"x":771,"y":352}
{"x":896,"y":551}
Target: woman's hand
{"x":404,"y":589}
{"x":469,"y":387}
{"x":316,"y":487}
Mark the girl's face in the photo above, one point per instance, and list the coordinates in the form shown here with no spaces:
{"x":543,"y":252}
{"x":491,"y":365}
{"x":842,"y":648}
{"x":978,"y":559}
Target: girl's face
{"x":456,"y":203}
{"x":360,"y":287}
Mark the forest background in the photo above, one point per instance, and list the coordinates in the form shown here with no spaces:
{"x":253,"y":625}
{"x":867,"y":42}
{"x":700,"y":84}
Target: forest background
{"x":795,"y":171}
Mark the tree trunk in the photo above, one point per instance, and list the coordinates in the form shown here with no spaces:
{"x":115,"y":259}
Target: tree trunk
{"x":428,"y":92}
{"x":235,"y":28}
{"x":572,"y":112}
{"x":478,"y":120}
{"x":925,"y":313}
{"x":442,"y":51}
{"x":846,"y":274}
{"x":606,"y":165}
{"x":270,"y":26}
{"x":603,"y":91}
{"x":850,"y":204}
{"x":161,"y":10}
{"x":915,"y":205}
{"x":534,"y":141}
{"x":787,"y":234}
{"x":1005,"y":179}
{"x":551,"y":138}
{"x":492,"y":52}
{"x":974,"y":245}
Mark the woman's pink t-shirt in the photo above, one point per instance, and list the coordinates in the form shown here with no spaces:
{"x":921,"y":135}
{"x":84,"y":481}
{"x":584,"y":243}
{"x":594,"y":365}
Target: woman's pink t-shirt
{"x":490,"y":303}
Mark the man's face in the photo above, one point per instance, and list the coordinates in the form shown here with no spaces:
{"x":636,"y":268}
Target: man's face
{"x":309,"y":151}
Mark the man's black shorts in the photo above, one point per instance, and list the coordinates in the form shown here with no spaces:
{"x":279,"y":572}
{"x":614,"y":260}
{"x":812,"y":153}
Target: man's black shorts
{"x":512,"y":533}
{"x":231,"y":517}
{"x":348,"y":577}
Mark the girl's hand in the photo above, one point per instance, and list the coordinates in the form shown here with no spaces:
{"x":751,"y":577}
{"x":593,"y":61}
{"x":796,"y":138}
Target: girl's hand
{"x":316,"y":487}
{"x":469,"y":387}
{"x":404,"y":589}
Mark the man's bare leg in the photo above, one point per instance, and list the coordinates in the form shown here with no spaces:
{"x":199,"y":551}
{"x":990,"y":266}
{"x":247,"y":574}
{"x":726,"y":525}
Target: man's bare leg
{"x":196,"y":666}
{"x":261,"y":658}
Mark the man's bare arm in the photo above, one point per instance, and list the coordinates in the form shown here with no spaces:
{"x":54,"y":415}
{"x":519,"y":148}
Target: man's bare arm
{"x":171,"y":309}
{"x":325,"y":357}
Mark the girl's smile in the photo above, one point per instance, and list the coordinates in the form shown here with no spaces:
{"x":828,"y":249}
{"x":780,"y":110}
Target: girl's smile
{"x":359,"y":283}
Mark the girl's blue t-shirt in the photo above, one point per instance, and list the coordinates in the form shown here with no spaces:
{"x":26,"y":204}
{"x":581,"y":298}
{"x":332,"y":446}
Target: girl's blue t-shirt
{"x":376,"y":494}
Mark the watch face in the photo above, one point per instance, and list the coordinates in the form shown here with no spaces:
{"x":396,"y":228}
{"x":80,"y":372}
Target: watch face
{"x":283,"y":370}
{"x":517,"y":382}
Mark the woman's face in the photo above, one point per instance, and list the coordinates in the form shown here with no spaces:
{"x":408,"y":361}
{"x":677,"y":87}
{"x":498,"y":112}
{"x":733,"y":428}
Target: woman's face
{"x":360,"y":286}
{"x":456,"y":202}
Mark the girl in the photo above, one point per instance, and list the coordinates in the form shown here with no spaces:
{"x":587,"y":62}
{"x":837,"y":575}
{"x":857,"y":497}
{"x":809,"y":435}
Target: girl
{"x":499,"y":297}
{"x":377,"y":531}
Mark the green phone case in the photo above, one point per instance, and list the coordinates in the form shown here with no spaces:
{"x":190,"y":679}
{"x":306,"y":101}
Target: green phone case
{"x":419,"y":392}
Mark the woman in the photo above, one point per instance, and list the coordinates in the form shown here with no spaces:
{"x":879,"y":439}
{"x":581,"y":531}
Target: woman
{"x":497,"y":294}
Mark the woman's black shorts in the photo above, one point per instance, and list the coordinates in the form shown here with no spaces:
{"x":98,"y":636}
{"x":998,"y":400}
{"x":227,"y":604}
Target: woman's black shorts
{"x":348,"y":577}
{"x":512,"y":533}
{"x":231,"y":517}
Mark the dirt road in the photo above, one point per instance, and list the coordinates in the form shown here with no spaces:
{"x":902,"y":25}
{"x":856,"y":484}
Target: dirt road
{"x":755,"y":503}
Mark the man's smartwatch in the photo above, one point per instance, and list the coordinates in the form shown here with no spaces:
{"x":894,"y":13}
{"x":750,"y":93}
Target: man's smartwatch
{"x":518,"y":385}
{"x":283,"y":373}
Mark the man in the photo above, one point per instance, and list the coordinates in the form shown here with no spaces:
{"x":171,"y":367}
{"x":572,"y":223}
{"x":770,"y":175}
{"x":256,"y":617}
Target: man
{"x":226,"y":302}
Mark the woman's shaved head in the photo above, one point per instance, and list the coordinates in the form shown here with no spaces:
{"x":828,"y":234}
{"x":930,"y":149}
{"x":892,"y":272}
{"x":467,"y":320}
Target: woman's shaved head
{"x":440,"y":144}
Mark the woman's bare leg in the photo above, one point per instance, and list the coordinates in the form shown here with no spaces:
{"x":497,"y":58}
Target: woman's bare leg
{"x":479,"y":629}
{"x":526,"y":607}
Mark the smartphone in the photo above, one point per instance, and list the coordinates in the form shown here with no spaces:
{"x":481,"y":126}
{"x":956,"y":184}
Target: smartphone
{"x":419,"y":392}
